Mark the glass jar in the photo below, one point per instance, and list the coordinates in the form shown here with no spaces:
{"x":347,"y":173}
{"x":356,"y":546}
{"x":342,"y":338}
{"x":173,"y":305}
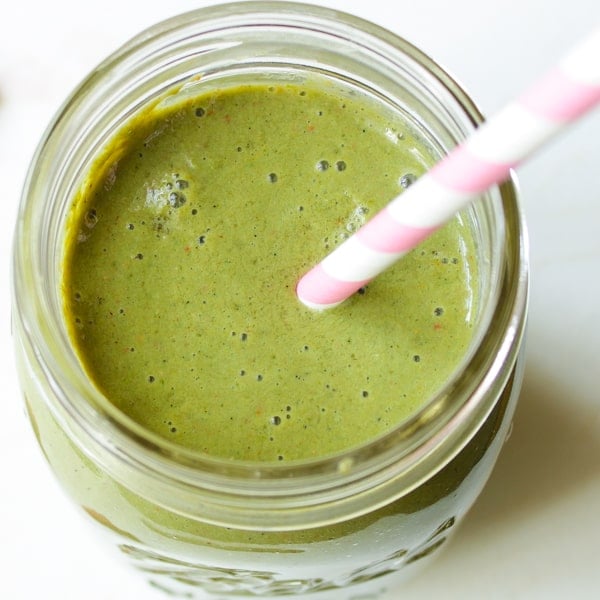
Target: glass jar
{"x":204,"y":527}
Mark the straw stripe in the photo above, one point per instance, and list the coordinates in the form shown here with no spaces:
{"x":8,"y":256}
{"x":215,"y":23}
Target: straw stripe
{"x":495,"y":140}
{"x":354,"y":261}
{"x":463,"y":171}
{"x":582,"y":62}
{"x":558,"y":97}
{"x":420,"y":205}
{"x":485,"y":159}
{"x":384,"y":234}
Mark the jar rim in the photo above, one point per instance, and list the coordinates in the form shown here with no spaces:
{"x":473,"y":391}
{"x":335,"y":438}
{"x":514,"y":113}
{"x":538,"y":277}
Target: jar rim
{"x":433,"y":431}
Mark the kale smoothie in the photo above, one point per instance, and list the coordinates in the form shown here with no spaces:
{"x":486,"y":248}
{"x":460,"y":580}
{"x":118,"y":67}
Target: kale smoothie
{"x":228,"y":440}
{"x":184,"y":246}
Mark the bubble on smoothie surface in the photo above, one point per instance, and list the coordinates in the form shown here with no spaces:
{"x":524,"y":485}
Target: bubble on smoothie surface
{"x":90,"y":218}
{"x":407,"y":180}
{"x":176,"y":199}
{"x":322,"y":165}
{"x":171,"y":427}
{"x":200,"y":112}
{"x":340,"y":165}
{"x":159,"y":225}
{"x":355,"y":221}
{"x":393,"y":135}
{"x":167,"y":192}
{"x":275,"y":420}
{"x":272,"y":177}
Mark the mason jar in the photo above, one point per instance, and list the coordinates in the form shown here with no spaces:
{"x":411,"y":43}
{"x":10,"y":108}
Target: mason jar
{"x":341,"y":527}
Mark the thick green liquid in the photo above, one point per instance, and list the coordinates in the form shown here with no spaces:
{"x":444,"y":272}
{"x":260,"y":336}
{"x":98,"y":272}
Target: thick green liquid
{"x":183,"y":250}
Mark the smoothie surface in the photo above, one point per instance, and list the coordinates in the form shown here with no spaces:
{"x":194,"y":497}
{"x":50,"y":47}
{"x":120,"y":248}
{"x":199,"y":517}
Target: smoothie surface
{"x":183,"y":249}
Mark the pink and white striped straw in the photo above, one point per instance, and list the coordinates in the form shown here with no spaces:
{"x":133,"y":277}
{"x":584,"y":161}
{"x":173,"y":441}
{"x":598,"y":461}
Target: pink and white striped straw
{"x":563,"y":95}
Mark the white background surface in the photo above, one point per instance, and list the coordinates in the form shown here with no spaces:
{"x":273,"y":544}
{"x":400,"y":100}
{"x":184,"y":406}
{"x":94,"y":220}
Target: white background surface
{"x":535,"y":531}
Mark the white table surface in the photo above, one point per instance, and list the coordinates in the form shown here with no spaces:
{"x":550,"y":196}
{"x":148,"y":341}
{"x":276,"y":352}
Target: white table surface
{"x":535,"y":531}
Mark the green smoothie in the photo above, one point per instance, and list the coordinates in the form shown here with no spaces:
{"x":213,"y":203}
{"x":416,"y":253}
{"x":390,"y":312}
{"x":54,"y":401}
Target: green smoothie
{"x":184,"y":246}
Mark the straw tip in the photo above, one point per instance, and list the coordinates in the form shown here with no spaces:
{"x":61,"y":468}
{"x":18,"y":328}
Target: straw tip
{"x":316,"y":305}
{"x":319,"y":290}
{"x":309,"y":290}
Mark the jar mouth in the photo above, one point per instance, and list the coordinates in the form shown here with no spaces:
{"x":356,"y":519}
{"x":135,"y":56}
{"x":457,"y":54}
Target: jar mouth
{"x":205,"y":41}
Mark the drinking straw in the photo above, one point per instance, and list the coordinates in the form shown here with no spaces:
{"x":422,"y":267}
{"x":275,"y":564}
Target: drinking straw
{"x":563,"y":95}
